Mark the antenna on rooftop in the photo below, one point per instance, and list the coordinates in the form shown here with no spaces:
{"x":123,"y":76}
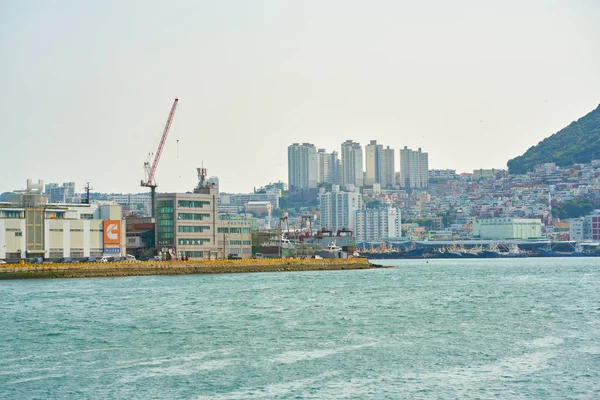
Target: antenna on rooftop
{"x":87,"y":190}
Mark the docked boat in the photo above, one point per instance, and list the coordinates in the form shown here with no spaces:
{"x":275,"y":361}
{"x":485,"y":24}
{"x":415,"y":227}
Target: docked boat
{"x":332,"y":251}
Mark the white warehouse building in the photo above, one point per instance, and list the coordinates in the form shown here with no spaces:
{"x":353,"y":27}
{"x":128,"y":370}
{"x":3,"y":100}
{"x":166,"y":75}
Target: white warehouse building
{"x":53,"y":231}
{"x":507,"y":228}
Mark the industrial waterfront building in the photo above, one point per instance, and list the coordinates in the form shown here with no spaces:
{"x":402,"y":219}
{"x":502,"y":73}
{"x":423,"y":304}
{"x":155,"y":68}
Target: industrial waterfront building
{"x":235,"y":236}
{"x":54,"y":231}
{"x":186,"y":224}
{"x":585,"y":228}
{"x":507,"y":228}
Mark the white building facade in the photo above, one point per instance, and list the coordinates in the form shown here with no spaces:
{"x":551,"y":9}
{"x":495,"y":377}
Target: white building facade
{"x":352,"y":164}
{"x":380,"y":165}
{"x":375,"y":225}
{"x":414,"y":168}
{"x":338,"y":209}
{"x":328,"y":167}
{"x":302,"y":167}
{"x":53,"y":231}
{"x":585,"y":228}
{"x":507,"y":228}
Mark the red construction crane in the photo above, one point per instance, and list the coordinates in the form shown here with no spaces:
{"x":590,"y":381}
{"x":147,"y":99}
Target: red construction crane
{"x":151,"y":171}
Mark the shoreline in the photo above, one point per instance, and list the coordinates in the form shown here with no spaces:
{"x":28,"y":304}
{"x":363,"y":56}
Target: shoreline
{"x":147,"y":268}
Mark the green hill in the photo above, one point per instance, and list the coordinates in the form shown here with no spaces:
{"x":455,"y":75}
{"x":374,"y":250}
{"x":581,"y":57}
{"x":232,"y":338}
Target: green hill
{"x":578,"y":143}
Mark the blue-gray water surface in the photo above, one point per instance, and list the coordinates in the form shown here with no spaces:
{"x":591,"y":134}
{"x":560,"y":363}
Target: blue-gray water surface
{"x":509,"y":329}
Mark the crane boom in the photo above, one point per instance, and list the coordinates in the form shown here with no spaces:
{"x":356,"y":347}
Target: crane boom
{"x":151,"y":170}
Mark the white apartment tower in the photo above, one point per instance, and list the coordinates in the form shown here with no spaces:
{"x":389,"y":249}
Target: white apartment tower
{"x":374,"y":162}
{"x":380,"y":165}
{"x":338,"y":209}
{"x":302,"y":167}
{"x":390,"y":167}
{"x":414,"y":168}
{"x":328,"y":167}
{"x":375,"y":225}
{"x":352,"y":164}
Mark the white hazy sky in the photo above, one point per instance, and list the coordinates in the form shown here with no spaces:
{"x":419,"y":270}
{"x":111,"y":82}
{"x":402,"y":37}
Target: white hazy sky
{"x":86,"y":86}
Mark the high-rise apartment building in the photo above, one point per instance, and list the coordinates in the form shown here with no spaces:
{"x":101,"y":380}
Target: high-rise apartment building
{"x":338,"y":209}
{"x":377,"y":224}
{"x":390,"y":168}
{"x":61,"y":194}
{"x":414,"y":168}
{"x":380,"y":165}
{"x":374,"y":163}
{"x":302,"y":167}
{"x":328,"y":167}
{"x":352,"y":164}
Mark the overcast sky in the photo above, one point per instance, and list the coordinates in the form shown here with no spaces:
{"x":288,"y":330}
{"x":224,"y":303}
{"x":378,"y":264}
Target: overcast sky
{"x":86,"y":86}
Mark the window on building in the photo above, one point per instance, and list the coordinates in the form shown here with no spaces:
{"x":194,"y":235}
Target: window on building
{"x":222,"y":230}
{"x":193,"y":216}
{"x":192,"y":228}
{"x":194,"y":254}
{"x":192,"y":203}
{"x":192,"y":241}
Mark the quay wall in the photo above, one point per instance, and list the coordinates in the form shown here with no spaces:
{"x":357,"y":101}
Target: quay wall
{"x":139,"y":268}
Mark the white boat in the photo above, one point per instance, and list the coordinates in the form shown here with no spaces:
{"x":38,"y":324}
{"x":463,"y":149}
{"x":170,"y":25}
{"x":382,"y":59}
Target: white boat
{"x":332,"y":251}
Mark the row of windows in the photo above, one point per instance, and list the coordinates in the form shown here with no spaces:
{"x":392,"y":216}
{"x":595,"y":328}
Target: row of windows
{"x":12,"y":214}
{"x":193,"y":216}
{"x":165,"y":210}
{"x":166,"y":235}
{"x":240,"y":243}
{"x":192,"y":203}
{"x":233,"y":230}
{"x":192,"y":228}
{"x":165,"y":203}
{"x":194,"y":254}
{"x":193,"y":242}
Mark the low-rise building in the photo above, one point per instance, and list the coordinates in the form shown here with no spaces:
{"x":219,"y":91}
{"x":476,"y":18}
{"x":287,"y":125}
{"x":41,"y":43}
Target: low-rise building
{"x":235,"y":237}
{"x":53,"y":231}
{"x":186,"y":223}
{"x":507,"y":228}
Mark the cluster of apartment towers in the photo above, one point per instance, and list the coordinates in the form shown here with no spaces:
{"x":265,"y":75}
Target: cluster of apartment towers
{"x":308,"y":168}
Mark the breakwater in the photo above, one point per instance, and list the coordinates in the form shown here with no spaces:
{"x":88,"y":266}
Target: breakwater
{"x":92,"y":270}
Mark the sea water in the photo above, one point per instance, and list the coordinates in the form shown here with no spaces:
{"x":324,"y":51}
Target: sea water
{"x":485,"y":329}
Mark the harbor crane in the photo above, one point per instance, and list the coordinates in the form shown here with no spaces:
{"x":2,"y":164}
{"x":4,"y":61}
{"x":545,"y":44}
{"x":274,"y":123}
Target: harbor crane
{"x":150,"y":170}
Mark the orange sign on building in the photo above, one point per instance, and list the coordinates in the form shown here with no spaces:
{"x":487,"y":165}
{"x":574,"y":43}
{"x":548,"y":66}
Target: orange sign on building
{"x":112,"y":235}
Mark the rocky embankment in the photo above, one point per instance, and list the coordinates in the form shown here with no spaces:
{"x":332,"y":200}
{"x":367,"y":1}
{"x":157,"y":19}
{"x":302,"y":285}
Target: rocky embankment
{"x":92,"y":270}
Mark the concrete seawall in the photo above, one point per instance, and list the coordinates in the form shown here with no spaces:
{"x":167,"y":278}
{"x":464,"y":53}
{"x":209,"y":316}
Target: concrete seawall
{"x":91,"y":270}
